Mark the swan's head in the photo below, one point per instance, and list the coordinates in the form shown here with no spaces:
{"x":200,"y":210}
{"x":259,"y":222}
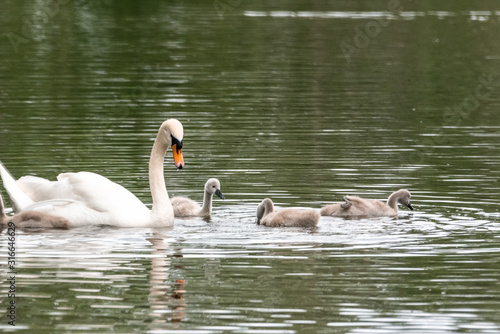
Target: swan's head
{"x":264,"y":208}
{"x":173,"y":133}
{"x":404,"y":198}
{"x":213,"y":187}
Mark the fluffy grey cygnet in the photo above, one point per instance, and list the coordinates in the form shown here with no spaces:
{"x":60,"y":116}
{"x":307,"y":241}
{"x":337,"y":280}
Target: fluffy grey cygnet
{"x":285,"y":217}
{"x":354,"y":206}
{"x":185,"y":207}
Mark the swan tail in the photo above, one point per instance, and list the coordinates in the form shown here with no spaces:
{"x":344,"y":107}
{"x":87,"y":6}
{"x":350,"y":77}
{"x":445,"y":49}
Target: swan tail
{"x":19,"y":199}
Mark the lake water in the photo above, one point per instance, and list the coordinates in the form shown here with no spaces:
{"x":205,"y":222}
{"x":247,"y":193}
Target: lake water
{"x":300,"y":101}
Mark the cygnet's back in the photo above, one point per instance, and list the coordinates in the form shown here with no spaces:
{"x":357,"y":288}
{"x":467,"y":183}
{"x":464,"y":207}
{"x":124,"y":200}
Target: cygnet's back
{"x":185,"y":207}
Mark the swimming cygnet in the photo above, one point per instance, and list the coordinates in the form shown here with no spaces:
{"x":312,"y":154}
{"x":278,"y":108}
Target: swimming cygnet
{"x":185,"y":207}
{"x":33,"y":220}
{"x":286,"y":217}
{"x":355,"y":206}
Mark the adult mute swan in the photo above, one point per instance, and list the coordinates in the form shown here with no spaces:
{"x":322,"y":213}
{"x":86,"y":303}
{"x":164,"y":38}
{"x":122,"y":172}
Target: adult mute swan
{"x":285,"y":217}
{"x":185,"y":207}
{"x":32,"y":220}
{"x":355,"y":206}
{"x":91,"y":199}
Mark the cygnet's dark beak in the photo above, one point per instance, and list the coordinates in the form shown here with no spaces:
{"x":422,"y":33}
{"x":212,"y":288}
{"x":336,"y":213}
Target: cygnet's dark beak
{"x":409,"y":206}
{"x":218,"y":193}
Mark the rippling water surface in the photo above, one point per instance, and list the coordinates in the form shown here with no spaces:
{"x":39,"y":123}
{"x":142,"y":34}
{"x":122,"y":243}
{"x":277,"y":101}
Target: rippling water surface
{"x":300,"y":101}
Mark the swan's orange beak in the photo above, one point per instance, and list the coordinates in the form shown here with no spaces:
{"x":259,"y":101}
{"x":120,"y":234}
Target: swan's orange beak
{"x":178,"y":158}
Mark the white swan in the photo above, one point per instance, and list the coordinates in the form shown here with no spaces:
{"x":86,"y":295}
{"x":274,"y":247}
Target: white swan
{"x":91,"y":199}
{"x":186,"y":207}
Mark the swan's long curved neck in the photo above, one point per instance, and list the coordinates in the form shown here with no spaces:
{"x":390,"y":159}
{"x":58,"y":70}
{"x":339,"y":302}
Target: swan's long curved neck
{"x":269,"y":207}
{"x":265,"y":208}
{"x":206,"y":209}
{"x":161,"y":202}
{"x":392,"y":201}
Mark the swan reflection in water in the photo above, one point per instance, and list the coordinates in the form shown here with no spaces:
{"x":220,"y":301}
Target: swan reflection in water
{"x":167,"y":302}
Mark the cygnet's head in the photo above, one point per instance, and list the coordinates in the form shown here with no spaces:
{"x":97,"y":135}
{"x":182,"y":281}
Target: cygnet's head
{"x":404,"y":196}
{"x":264,"y":208}
{"x":213,"y":187}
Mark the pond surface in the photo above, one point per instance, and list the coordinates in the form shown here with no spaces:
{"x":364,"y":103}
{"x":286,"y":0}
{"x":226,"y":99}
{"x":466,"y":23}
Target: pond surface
{"x":300,"y":101}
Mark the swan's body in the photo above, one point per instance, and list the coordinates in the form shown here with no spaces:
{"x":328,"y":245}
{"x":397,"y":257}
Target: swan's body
{"x":354,"y":206}
{"x":285,"y":217}
{"x":185,"y":207}
{"x":91,"y":199}
{"x":32,"y":220}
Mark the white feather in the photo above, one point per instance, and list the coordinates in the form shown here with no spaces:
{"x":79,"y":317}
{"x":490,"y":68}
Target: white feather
{"x":18,"y":197}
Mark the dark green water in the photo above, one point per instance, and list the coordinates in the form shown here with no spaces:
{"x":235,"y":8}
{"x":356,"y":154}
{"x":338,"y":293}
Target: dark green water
{"x":300,"y":101}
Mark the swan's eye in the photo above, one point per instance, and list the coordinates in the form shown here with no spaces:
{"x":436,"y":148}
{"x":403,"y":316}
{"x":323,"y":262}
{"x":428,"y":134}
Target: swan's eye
{"x":177,"y":143}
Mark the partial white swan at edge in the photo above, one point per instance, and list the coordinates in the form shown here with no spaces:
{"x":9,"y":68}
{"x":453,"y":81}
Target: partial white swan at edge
{"x":91,"y":199}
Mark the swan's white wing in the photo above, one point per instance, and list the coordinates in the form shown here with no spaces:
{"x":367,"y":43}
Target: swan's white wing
{"x":40,"y":206}
{"x":40,"y":189}
{"x":85,"y":199}
{"x":100,"y":193}
{"x":18,"y":197}
{"x":77,"y":213}
{"x":96,"y":191}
